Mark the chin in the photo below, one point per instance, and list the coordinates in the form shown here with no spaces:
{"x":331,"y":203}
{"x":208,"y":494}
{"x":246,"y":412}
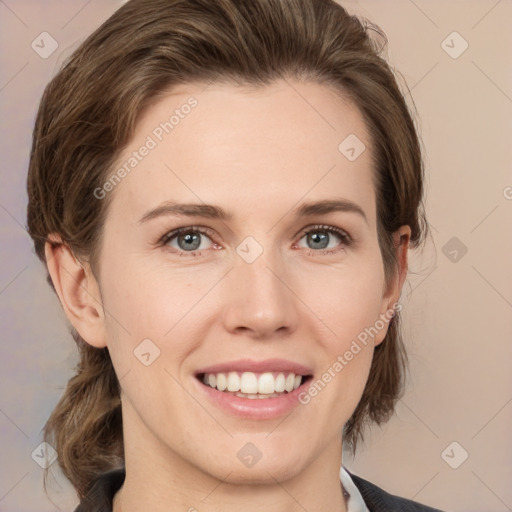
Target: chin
{"x":260,"y":474}
{"x":245,"y":463}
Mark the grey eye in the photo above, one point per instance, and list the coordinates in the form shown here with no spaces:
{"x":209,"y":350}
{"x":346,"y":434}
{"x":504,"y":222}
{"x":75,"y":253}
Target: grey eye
{"x":188,"y":240}
{"x":319,"y":239}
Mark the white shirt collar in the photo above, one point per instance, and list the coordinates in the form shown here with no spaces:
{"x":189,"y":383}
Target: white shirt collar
{"x":355,"y":502}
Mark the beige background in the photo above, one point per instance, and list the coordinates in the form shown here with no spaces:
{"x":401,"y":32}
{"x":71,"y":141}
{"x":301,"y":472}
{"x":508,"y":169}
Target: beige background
{"x":458,"y":306}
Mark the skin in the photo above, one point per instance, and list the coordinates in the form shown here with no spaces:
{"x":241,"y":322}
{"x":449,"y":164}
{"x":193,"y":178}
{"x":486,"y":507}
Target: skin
{"x":258,"y":153}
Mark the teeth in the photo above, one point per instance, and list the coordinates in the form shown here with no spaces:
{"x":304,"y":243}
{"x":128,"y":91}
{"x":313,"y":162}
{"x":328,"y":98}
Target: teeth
{"x":266,"y":383}
{"x":289,"y":382}
{"x":222,"y":382}
{"x":253,"y":385}
{"x":233,"y":381}
{"x":249,"y":383}
{"x":280,"y":383}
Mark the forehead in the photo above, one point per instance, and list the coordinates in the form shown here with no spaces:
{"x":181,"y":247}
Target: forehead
{"x":247,"y":146}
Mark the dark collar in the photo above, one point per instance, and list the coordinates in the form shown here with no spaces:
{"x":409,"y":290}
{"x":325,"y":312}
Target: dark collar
{"x":378,"y":500}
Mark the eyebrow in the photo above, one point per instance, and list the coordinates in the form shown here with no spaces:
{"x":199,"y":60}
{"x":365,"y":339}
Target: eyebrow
{"x":216,"y":212}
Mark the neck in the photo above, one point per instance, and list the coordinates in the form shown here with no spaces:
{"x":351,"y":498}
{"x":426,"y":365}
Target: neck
{"x":249,"y":497}
{"x":159,"y":479}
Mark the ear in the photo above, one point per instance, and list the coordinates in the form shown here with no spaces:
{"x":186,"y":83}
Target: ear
{"x":78,"y":291}
{"x":393,"y":289}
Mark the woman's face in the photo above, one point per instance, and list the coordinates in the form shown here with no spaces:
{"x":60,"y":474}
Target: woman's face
{"x":243,"y":288}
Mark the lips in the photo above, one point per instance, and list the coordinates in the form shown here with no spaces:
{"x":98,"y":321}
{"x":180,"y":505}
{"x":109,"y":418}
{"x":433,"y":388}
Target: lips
{"x":273,"y":387}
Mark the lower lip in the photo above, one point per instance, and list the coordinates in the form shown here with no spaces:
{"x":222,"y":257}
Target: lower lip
{"x":255,"y":408}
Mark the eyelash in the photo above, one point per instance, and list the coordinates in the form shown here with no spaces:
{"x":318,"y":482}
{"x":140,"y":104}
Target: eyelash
{"x":346,"y":240}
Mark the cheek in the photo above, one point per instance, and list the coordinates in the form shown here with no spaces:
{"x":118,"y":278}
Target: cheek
{"x":147,"y":338}
{"x":150,"y":301}
{"x":159,"y":311}
{"x":348,"y":305}
{"x":347,"y":300}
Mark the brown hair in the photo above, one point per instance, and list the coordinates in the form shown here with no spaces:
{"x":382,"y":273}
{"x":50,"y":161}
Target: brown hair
{"x":88,"y":113}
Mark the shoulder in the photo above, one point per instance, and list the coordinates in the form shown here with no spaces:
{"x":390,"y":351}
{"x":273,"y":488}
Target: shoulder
{"x":377,"y":500}
{"x":101,"y":495}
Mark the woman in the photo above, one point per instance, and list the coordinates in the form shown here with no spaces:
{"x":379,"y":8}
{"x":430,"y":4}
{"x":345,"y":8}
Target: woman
{"x":224,"y":194}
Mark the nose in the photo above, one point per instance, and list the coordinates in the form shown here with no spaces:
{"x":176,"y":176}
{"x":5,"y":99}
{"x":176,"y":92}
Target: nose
{"x":260,"y":303}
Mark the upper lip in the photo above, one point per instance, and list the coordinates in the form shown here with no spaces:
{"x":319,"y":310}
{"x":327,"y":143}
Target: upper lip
{"x":249,"y":365}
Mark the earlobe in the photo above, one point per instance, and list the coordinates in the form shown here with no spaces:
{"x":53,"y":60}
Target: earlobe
{"x":401,"y":239}
{"x":78,"y":291}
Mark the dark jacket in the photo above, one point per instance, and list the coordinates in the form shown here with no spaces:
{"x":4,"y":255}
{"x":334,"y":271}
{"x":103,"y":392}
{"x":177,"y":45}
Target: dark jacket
{"x":378,"y":500}
{"x":102,"y":493}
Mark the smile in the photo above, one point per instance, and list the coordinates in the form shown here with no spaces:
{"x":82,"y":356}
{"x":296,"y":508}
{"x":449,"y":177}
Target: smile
{"x":253,"y":385}
{"x":254,"y":390}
